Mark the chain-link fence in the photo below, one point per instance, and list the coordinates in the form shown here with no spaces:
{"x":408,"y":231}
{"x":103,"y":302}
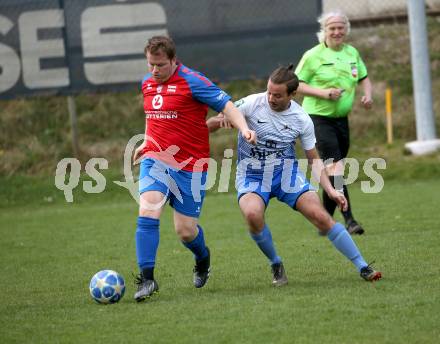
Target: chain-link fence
{"x":68,"y":46}
{"x":366,"y":10}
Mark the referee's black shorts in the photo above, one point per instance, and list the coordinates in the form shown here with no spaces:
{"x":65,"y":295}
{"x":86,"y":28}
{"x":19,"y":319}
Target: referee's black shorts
{"x":332,"y":137}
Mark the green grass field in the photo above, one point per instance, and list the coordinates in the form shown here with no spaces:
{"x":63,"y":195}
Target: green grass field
{"x":48,"y":254}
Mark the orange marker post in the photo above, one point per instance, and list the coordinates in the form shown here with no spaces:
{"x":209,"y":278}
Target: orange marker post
{"x":388,"y":106}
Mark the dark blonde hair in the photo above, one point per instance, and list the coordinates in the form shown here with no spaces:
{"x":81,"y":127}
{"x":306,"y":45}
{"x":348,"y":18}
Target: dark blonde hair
{"x":156,"y":44}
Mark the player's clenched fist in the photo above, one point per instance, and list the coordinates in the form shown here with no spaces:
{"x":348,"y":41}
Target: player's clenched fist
{"x":250,"y":136}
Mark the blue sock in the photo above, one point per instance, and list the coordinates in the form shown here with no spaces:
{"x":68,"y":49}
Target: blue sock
{"x":342,"y":240}
{"x":265,"y":243}
{"x":147,"y":241}
{"x":197,"y":246}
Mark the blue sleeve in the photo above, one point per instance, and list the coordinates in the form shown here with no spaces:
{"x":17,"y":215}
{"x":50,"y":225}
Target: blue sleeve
{"x":147,"y":76}
{"x":205,"y":91}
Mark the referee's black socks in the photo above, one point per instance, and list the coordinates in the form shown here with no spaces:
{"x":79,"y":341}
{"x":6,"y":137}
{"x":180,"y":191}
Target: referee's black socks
{"x":348,"y":216}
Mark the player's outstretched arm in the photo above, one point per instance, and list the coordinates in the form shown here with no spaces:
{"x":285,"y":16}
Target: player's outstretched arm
{"x":217,"y":122}
{"x":213,"y":124}
{"x":236,"y":118}
{"x":319,"y":174}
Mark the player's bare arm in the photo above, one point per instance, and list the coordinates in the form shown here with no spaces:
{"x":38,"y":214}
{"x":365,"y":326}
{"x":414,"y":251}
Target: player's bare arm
{"x":217,"y":122}
{"x":320,"y":174}
{"x":236,"y":118}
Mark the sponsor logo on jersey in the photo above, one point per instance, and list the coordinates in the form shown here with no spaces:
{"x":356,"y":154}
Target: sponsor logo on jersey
{"x":171,"y":88}
{"x":149,"y":87}
{"x":157,"y":101}
{"x":161,"y":114}
{"x":239,"y":103}
{"x":221,"y":95}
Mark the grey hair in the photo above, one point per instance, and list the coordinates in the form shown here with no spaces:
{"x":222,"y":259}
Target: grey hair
{"x":322,"y":20}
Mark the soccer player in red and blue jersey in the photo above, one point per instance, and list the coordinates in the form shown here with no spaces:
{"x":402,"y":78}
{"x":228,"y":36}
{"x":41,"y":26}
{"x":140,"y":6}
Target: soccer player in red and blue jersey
{"x":174,"y":157}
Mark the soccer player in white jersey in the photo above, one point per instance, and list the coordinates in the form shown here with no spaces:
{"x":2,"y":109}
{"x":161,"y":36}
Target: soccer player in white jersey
{"x":270,"y":169}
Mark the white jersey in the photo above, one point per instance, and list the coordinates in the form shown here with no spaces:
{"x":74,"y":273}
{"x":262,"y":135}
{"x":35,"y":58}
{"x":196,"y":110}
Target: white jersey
{"x":276,"y":131}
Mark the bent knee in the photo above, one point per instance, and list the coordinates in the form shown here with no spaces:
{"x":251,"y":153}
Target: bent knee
{"x":323,"y":221}
{"x":186,"y":233}
{"x":255,"y":220}
{"x":148,"y":213}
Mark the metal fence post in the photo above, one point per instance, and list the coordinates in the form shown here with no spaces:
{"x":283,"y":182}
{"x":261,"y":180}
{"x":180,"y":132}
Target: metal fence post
{"x":426,"y":136}
{"x":71,"y":106}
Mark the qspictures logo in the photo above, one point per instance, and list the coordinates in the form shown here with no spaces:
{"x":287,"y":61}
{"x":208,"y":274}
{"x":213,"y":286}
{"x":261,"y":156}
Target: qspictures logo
{"x":68,"y":172}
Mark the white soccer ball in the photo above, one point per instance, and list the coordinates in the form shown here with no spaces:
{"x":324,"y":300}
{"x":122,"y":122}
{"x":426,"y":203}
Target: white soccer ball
{"x":107,"y":286}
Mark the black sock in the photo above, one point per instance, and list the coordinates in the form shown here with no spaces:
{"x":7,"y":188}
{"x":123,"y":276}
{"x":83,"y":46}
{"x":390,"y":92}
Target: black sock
{"x":148,"y":273}
{"x":348,"y":216}
{"x":328,"y":203}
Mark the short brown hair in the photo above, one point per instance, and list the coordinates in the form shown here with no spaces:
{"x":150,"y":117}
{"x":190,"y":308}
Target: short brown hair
{"x":285,"y":75}
{"x":156,"y":44}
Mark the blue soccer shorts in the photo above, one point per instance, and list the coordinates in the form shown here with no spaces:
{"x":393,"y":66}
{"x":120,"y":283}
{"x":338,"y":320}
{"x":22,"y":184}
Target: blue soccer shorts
{"x":286,"y":183}
{"x":183,"y":189}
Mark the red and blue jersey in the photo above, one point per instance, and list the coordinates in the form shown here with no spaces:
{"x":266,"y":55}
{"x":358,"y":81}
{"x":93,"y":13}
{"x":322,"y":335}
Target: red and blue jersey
{"x":175,"y":114}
